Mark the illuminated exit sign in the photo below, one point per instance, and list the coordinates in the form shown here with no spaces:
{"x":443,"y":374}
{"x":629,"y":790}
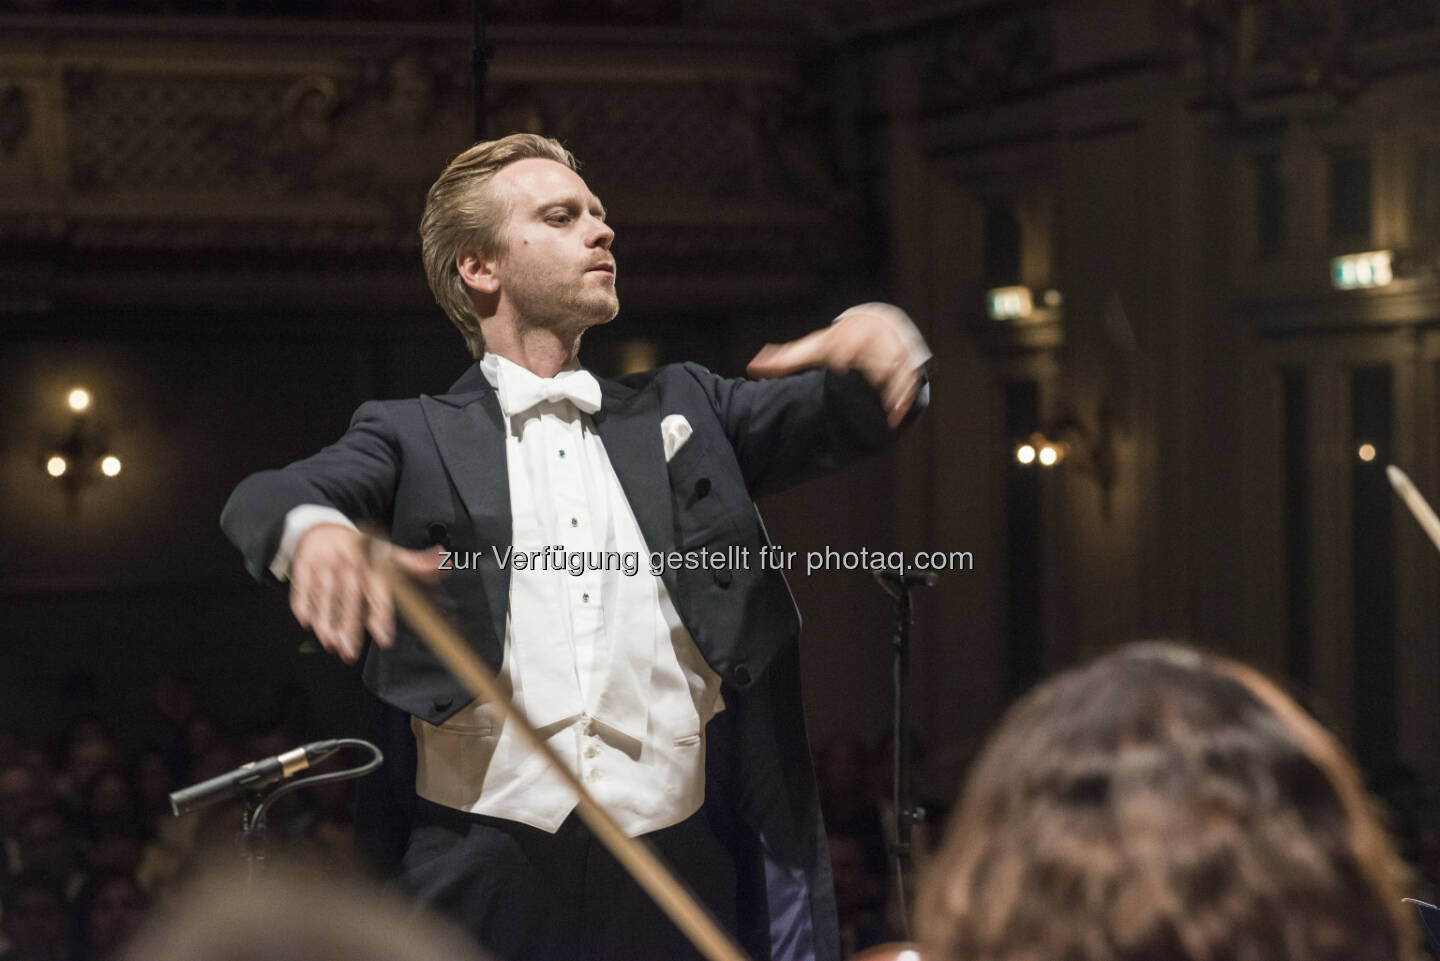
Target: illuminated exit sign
{"x":1354,"y":271}
{"x":1009,"y":303}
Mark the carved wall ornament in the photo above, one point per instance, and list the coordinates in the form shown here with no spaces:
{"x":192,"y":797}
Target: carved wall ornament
{"x":705,"y":140}
{"x":166,"y":130}
{"x":975,"y":61}
{"x":308,"y":108}
{"x":1252,"y":45}
{"x":336,"y":132}
{"x":317,"y":156}
{"x":772,"y":130}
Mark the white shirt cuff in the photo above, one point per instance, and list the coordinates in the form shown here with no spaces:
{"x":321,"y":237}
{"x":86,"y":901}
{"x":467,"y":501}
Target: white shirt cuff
{"x":297,"y":522}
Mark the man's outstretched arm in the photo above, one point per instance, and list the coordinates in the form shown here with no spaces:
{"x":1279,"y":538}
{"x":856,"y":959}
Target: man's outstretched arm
{"x":302,"y":516}
{"x":879,"y":340}
{"x":871,"y":378}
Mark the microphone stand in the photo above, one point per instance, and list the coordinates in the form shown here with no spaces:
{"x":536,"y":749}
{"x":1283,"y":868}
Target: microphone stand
{"x":258,"y":801}
{"x":897,"y":583}
{"x":252,"y":835}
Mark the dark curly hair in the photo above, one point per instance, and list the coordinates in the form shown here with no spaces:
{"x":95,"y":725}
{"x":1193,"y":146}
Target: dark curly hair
{"x":1163,"y":805}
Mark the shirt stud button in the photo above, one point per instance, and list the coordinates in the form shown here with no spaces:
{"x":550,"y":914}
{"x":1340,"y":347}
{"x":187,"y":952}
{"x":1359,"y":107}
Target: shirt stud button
{"x":585,"y":598}
{"x":574,"y":522}
{"x":562,"y":454}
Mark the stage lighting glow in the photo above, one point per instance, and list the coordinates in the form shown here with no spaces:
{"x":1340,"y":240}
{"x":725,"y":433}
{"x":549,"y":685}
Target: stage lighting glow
{"x":79,"y":400}
{"x":1025,"y":454}
{"x":1366,"y":452}
{"x":56,"y":466}
{"x":110,"y":465}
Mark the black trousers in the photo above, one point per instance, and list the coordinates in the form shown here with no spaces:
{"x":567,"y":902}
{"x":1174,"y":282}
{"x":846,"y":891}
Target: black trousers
{"x":527,"y":895}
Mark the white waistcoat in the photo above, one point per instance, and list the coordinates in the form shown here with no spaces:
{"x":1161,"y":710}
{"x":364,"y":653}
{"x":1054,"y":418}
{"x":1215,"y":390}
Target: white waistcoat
{"x":598,"y":658}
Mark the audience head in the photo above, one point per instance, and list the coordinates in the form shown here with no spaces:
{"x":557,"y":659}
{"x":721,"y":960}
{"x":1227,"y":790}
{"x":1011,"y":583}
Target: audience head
{"x":111,"y":908}
{"x":19,"y":795}
{"x":1163,"y":805}
{"x":856,"y":885}
{"x":284,"y":917}
{"x":47,"y":841}
{"x":35,"y":921}
{"x":844,"y":768}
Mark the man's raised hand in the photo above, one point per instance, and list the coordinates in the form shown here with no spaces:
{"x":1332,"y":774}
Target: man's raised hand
{"x":333,"y":588}
{"x":877,"y":339}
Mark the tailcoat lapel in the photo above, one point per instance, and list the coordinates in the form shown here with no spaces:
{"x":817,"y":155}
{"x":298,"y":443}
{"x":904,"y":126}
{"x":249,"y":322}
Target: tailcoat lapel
{"x":469,"y":432}
{"x":629,"y":426}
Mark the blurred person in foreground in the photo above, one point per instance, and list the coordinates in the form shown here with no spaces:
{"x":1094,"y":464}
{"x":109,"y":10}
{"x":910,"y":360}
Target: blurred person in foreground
{"x":1166,"y":805}
{"x":294,"y":917}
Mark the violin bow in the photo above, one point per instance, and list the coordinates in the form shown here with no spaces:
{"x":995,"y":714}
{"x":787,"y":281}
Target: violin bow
{"x":673,"y":897}
{"x":1416,"y":502}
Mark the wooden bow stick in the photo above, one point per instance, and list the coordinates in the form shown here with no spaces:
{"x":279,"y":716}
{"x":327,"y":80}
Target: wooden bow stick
{"x":1416,"y":502}
{"x":637,"y":857}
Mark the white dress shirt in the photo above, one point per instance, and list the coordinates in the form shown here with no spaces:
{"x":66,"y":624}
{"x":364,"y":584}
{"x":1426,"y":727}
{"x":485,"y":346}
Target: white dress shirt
{"x":598,"y":660}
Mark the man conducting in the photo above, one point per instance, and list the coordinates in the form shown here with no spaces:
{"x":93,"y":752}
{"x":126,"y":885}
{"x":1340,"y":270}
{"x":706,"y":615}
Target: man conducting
{"x":672,"y":691}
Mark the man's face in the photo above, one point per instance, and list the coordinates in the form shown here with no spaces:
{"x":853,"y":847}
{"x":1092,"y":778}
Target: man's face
{"x":557,"y":271}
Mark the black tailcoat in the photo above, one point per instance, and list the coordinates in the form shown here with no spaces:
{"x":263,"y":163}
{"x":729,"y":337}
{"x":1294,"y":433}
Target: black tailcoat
{"x":433,"y":469}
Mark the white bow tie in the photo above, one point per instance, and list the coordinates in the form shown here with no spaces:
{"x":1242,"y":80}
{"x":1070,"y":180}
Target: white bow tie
{"x":521,"y":390}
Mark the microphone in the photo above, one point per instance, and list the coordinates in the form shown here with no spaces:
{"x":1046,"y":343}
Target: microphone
{"x":249,"y":777}
{"x":899,"y":577}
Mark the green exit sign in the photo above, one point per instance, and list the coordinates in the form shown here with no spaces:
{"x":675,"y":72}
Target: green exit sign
{"x":1009,"y":303}
{"x":1358,"y":271}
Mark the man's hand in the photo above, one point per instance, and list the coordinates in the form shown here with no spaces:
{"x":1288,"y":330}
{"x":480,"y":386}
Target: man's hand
{"x":877,"y":339}
{"x":333,"y":588}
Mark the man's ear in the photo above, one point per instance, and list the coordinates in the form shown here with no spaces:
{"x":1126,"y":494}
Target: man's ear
{"x":478,"y":271}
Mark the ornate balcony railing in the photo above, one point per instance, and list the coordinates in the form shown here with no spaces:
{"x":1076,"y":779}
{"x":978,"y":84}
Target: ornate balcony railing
{"x":272,"y":153}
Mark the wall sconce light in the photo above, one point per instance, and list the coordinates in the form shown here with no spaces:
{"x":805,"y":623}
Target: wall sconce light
{"x":82,"y":456}
{"x":1067,"y":440}
{"x":1039,"y":450}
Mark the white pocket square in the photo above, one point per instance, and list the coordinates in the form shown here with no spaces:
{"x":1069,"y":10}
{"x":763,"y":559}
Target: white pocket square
{"x":675,"y":430}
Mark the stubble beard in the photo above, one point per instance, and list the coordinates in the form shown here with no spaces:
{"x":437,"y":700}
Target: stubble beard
{"x":595,"y":307}
{"x":575,"y":308}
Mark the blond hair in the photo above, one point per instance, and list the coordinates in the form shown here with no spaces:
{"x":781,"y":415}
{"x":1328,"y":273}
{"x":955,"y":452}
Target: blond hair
{"x":462,"y":212}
